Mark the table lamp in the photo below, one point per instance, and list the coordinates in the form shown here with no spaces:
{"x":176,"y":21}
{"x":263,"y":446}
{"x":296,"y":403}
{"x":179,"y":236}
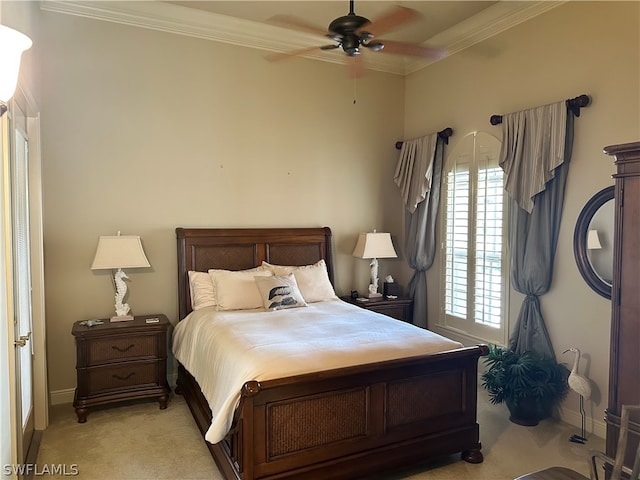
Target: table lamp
{"x":374,"y":245}
{"x":593,"y":240}
{"x":115,"y":253}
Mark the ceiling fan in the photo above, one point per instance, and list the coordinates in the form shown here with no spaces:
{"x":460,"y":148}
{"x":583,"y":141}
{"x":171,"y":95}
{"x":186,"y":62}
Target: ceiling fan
{"x":352,"y":33}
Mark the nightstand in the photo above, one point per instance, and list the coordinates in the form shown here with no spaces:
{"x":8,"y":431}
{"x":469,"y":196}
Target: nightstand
{"x":120,"y":361}
{"x":400,"y":308}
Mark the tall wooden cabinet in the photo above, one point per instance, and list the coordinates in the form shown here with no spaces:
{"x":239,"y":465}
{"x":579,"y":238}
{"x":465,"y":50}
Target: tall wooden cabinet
{"x":624,"y":365}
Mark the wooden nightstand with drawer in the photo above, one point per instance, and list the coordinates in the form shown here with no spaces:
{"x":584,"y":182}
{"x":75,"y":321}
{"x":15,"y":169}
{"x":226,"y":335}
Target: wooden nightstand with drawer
{"x":120,"y":361}
{"x":400,"y":308}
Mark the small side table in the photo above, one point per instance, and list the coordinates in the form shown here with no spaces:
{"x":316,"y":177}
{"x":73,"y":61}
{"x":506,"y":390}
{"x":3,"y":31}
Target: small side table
{"x":121,"y":361}
{"x":400,"y":308}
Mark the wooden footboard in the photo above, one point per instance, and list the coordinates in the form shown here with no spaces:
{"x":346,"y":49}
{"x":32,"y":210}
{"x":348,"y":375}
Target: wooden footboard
{"x":351,"y":422}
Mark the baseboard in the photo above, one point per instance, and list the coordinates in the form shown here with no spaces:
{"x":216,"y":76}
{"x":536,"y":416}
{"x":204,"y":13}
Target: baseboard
{"x":592,"y":426}
{"x":60,"y":397}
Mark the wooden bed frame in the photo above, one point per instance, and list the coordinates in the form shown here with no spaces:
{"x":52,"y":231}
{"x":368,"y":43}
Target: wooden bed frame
{"x":344,"y":423}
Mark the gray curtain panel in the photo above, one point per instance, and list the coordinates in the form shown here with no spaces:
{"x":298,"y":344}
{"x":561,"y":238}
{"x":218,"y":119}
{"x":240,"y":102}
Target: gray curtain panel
{"x":532,"y":149}
{"x":533,"y":236}
{"x":418,"y":175}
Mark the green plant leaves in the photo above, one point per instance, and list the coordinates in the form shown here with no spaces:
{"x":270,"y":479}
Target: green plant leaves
{"x":515,"y":377}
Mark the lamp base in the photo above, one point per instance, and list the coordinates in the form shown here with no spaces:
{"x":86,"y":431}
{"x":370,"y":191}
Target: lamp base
{"x":121,"y":318}
{"x":374,"y":295}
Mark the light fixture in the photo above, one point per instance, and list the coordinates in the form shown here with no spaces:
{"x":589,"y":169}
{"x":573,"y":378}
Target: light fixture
{"x":593,"y":240}
{"x":115,"y":253}
{"x":374,"y":245}
{"x":12,"y":44}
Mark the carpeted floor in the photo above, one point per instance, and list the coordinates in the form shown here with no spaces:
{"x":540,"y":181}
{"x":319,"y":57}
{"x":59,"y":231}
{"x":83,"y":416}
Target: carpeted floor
{"x":138,"y":441}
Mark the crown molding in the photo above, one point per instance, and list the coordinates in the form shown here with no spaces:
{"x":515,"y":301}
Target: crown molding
{"x":485,"y":24}
{"x":181,"y":20}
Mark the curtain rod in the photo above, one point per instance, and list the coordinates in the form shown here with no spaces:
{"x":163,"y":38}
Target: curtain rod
{"x":443,"y":134}
{"x":574,"y":105}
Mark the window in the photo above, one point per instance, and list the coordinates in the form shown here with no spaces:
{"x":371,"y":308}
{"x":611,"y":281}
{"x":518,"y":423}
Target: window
{"x":475,"y":275}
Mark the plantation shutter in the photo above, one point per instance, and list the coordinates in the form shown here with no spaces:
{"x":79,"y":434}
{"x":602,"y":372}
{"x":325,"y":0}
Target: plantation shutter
{"x":474,"y":240}
{"x":457,"y":240}
{"x":488,"y":246}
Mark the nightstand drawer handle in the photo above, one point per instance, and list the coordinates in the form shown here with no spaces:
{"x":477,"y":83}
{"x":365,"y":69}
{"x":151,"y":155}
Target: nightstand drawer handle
{"x":118,"y":377}
{"x":122,"y":350}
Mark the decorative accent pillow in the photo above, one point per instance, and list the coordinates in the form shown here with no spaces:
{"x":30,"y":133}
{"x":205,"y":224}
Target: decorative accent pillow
{"x":201,"y":289}
{"x":238,"y":290}
{"x":215,"y":272}
{"x":279,"y":292}
{"x":313,"y":280}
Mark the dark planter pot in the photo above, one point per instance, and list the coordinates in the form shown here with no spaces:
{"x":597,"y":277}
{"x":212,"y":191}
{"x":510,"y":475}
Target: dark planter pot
{"x":527,"y":411}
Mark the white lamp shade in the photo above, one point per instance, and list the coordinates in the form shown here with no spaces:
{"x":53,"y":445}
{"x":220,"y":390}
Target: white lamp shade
{"x":593,"y":240}
{"x":12,"y":44}
{"x":374,"y":245}
{"x":121,"y":251}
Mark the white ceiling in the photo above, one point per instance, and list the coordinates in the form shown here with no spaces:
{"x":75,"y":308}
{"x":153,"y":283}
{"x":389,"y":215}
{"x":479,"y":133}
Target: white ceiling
{"x":452,"y":25}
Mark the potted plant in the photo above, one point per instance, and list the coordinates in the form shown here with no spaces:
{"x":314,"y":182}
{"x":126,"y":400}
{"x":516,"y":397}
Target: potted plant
{"x":531,"y":385}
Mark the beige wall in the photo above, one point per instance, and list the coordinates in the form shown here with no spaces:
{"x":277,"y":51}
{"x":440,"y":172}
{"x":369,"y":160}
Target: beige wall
{"x":145,"y":131}
{"x":580,"y":47}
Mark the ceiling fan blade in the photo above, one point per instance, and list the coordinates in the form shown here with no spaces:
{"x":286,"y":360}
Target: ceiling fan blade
{"x":412,"y":49}
{"x":394,"y":18}
{"x":298,"y":24}
{"x":276,"y":57}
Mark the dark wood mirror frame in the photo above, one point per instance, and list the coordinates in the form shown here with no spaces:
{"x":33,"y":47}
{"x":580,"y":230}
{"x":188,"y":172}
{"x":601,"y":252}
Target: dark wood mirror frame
{"x":580,"y":241}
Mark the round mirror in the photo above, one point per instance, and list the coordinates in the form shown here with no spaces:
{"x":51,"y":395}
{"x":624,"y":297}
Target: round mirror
{"x":593,"y":241}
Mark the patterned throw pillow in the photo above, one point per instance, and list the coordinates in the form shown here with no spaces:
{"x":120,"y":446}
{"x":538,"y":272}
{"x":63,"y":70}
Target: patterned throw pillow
{"x":279,"y":292}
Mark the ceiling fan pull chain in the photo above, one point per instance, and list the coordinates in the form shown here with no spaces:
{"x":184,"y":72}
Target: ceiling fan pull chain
{"x":355,"y":89}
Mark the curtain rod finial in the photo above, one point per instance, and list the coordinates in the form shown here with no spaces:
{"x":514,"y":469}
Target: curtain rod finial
{"x":575,"y":104}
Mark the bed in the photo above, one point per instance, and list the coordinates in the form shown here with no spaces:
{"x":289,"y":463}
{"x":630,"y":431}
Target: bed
{"x":347,"y":422}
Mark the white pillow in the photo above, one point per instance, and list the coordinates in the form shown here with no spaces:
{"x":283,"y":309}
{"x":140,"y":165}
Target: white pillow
{"x":313,"y":280}
{"x":238,"y":290}
{"x":279,"y":292}
{"x":201,"y":289}
{"x":214,"y":272}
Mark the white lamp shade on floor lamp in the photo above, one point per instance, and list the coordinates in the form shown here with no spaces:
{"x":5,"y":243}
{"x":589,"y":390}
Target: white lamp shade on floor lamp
{"x":12,"y":44}
{"x":374,"y":245}
{"x":115,"y":253}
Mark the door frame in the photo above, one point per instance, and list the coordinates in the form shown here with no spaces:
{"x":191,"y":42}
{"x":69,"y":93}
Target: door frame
{"x":38,"y":337}
{"x":36,"y":239}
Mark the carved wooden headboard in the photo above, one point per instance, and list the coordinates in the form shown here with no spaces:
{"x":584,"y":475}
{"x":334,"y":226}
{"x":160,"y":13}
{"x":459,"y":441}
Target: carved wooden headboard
{"x":200,"y":249}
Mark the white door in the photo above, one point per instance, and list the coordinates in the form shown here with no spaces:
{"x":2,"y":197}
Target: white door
{"x":19,"y":166}
{"x":7,"y":348}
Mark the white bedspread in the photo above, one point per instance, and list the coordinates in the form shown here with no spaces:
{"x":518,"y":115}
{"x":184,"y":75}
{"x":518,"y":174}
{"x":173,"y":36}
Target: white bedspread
{"x":225,"y":349}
